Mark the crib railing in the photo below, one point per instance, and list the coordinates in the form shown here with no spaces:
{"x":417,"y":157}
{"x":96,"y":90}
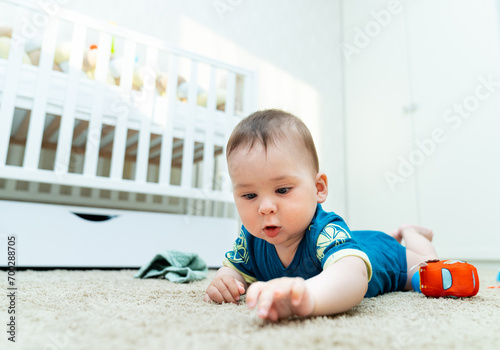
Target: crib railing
{"x":117,"y":123}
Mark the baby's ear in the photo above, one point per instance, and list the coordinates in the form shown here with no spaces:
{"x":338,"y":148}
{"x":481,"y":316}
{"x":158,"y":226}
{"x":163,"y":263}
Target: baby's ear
{"x":321,"y":187}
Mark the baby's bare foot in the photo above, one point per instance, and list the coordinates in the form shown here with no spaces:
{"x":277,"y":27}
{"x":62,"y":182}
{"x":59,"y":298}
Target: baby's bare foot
{"x":396,"y":234}
{"x":427,"y":233}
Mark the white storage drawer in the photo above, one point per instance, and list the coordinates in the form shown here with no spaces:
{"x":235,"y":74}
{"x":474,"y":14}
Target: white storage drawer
{"x":54,"y":236}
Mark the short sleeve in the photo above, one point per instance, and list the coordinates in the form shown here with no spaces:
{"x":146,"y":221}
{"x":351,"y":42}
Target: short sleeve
{"x":334,"y":243}
{"x":238,"y":259}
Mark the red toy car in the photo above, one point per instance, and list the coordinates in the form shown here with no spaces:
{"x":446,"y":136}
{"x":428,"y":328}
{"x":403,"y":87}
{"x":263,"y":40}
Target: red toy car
{"x":448,"y":278}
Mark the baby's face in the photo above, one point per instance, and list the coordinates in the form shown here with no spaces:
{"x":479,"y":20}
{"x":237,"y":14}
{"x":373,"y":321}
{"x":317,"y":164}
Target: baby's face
{"x":275,"y":191}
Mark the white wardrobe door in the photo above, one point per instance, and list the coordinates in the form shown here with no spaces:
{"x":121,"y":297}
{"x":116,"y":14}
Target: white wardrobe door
{"x":378,"y":130}
{"x":455,"y":83}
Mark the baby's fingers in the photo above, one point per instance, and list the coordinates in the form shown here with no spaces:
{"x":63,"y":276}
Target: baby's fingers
{"x":241,"y":287}
{"x":229,"y":289}
{"x":224,"y":289}
{"x":273,"y":314}
{"x":266,"y":300}
{"x":207,"y":298}
{"x":253,"y":293}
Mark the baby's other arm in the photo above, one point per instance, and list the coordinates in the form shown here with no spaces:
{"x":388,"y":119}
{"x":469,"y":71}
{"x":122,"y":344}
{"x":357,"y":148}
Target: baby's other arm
{"x":227,"y":286}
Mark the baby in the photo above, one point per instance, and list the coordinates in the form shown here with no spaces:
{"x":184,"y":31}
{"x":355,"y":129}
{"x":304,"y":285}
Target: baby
{"x":291,"y":256}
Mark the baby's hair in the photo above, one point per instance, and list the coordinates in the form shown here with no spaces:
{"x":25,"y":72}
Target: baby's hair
{"x":267,"y":125}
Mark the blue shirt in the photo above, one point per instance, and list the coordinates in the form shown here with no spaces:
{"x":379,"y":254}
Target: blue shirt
{"x":326,"y":240}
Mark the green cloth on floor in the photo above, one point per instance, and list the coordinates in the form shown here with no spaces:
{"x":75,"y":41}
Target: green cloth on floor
{"x":175,"y":266}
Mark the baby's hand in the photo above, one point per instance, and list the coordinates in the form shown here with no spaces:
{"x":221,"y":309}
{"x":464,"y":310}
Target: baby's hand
{"x":224,"y":288}
{"x":280,"y":298}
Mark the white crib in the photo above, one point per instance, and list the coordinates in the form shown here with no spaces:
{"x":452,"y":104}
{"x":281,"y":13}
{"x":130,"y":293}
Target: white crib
{"x":145,"y":130}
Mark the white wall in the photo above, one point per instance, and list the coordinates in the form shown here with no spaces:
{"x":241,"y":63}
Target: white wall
{"x":412,"y":66}
{"x":293,"y":46}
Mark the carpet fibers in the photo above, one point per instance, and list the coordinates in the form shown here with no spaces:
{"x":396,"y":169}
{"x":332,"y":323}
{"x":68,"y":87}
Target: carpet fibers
{"x":97,"y":309}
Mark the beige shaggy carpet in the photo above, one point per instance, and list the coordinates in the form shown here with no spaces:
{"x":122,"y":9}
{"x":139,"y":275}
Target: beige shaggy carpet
{"x":95,"y":309}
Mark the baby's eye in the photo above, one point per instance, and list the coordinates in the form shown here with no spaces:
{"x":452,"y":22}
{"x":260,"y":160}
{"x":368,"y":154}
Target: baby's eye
{"x":283,"y":190}
{"x":249,"y":196}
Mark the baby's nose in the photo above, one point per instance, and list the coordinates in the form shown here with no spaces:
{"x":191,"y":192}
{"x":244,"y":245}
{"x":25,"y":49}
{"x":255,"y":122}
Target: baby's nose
{"x":267,"y":206}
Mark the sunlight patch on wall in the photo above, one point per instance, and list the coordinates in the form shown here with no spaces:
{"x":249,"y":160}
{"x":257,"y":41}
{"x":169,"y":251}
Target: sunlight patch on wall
{"x":275,"y":88}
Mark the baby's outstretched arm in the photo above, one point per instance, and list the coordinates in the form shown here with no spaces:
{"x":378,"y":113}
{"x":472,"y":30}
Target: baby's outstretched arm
{"x":227,"y":286}
{"x":337,"y":289}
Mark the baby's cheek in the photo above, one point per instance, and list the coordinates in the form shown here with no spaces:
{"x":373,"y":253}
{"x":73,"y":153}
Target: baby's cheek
{"x":302,"y":217}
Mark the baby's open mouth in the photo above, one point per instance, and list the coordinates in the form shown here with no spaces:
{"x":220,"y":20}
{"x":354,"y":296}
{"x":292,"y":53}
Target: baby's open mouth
{"x":272,"y":231}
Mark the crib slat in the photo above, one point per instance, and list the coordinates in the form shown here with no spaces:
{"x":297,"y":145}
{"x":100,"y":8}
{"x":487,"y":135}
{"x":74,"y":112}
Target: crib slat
{"x":231,"y":85}
{"x":9,"y":89}
{"x":146,"y":109}
{"x":188,"y":151}
{"x":208,"y":149}
{"x":127,"y":73}
{"x":231,"y":92}
{"x":35,"y":130}
{"x":166,"y":145}
{"x":64,"y":142}
{"x":248,"y":91}
{"x":95,"y":124}
{"x":229,"y":125}
{"x":188,"y":166}
{"x":123,"y":108}
{"x":103,"y":55}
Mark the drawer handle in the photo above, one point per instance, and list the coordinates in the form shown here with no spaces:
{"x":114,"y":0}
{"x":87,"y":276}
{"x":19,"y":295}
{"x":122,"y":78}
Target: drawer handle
{"x":94,"y":217}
